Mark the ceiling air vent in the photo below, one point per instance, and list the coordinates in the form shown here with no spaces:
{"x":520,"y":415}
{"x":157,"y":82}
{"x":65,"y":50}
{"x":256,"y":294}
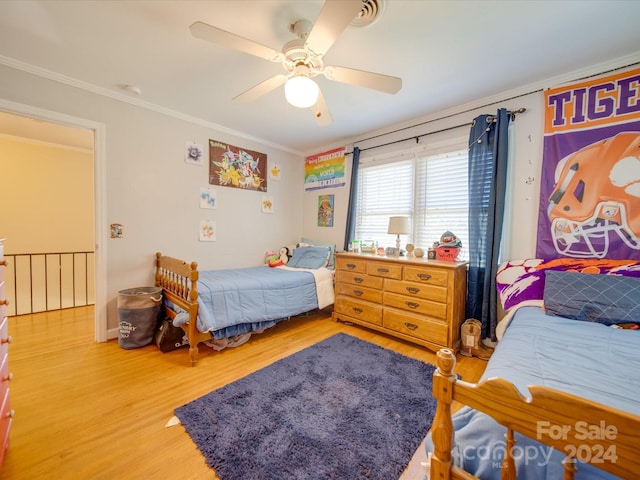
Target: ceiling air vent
{"x":371,"y":10}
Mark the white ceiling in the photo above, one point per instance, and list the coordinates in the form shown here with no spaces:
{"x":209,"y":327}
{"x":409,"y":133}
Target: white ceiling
{"x":448,"y":53}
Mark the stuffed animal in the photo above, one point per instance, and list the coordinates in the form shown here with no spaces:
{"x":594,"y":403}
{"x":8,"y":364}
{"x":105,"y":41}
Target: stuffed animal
{"x":281,"y":259}
{"x":270,"y":257}
{"x":284,"y":255}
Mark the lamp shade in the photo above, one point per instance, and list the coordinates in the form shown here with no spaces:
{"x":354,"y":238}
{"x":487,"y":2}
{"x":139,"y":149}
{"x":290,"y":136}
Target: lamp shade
{"x":398,"y":225}
{"x":301,"y":91}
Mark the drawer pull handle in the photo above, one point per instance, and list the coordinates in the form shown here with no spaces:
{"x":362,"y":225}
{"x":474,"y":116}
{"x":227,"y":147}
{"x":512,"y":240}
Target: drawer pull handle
{"x":358,"y":280}
{"x":358,"y":292}
{"x":383,"y":270}
{"x":412,"y":304}
{"x":4,"y":263}
{"x":413,"y":289}
{"x":424,"y":276}
{"x":10,"y":414}
{"x":8,"y":378}
{"x":4,"y":301}
{"x":351,"y":266}
{"x":357,"y":310}
{"x":410,"y":326}
{"x":9,"y":339}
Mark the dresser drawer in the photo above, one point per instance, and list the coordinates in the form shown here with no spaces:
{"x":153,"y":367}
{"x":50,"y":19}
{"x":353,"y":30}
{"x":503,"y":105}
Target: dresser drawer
{"x":416,"y":326}
{"x":415,"y":305}
{"x":5,"y":339}
{"x":6,"y":417}
{"x":362,"y":293}
{"x":365,"y":311}
{"x":426,"y":275}
{"x":351,"y":264}
{"x":360,"y":279}
{"x":418,"y":290}
{"x":385,"y":270}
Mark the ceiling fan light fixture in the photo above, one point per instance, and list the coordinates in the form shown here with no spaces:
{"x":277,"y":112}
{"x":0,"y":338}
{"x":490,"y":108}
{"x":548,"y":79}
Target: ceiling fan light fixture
{"x":300,"y":91}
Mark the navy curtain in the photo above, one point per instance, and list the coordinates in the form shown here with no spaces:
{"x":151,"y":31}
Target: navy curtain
{"x":353,"y":195}
{"x":488,"y":153}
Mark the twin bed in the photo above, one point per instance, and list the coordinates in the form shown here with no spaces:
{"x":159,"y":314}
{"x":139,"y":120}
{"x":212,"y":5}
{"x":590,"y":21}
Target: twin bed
{"x":560,"y":397}
{"x":226,"y":304}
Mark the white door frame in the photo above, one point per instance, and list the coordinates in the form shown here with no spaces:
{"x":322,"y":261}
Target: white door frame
{"x":100,"y":204}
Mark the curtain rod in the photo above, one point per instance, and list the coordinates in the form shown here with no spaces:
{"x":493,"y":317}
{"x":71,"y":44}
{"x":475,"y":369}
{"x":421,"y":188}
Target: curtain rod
{"x":512,"y":113}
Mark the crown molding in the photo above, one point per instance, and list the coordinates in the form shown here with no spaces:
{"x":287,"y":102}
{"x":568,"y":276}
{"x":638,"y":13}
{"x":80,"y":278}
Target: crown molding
{"x":89,"y":87}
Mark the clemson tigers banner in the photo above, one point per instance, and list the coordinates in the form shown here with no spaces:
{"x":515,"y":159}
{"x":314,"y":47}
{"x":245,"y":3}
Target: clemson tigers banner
{"x":590,"y":185}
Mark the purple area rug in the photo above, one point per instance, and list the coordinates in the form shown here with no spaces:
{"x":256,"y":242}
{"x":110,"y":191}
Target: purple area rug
{"x":341,"y":409}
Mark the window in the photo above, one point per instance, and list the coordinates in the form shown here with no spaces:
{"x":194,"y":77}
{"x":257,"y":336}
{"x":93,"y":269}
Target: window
{"x":429,"y":189}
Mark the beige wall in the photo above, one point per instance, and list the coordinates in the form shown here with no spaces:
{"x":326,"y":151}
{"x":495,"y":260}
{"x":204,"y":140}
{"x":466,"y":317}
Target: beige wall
{"x":47,"y":197}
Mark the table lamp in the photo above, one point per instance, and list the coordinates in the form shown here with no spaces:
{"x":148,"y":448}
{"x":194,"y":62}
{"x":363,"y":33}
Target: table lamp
{"x":398,"y":226}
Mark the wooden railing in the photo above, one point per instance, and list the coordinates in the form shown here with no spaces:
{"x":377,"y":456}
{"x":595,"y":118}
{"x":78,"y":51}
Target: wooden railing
{"x":42,"y":282}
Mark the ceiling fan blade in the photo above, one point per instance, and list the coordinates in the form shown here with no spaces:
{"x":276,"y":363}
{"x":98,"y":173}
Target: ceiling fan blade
{"x":333,"y":19}
{"x":261,"y":89}
{"x":321,"y":111}
{"x":223,"y":38}
{"x":375,"y":81}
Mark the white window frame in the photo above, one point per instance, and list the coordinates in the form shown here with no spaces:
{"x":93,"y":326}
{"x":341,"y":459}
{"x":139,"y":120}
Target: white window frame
{"x":426,"y":224}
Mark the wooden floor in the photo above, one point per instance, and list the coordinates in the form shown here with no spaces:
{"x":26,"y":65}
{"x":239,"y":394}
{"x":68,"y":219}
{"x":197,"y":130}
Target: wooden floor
{"x":86,"y":410}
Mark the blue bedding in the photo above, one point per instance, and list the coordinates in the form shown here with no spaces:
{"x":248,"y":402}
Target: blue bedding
{"x":588,"y":359}
{"x":236,"y":299}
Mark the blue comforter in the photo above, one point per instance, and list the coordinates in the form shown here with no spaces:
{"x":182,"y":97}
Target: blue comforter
{"x":591,"y":360}
{"x":246,"y":296}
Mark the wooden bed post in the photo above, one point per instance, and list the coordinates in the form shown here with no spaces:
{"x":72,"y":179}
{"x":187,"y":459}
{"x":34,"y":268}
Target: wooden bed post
{"x":158,"y":274}
{"x":179,"y":282}
{"x":193,"y":314}
{"x":442,"y":428}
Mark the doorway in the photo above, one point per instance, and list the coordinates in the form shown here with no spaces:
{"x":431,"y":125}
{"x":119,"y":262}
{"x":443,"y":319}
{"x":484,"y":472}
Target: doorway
{"x":45,"y":128}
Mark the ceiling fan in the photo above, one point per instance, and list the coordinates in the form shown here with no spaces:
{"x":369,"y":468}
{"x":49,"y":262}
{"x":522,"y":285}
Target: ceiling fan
{"x":302,"y":59}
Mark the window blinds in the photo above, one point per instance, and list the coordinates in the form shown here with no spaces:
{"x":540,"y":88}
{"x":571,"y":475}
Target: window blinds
{"x":430,"y":189}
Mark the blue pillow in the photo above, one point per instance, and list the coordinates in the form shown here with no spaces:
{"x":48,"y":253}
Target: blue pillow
{"x":309,"y":257}
{"x":314,"y":243}
{"x":607,"y":299}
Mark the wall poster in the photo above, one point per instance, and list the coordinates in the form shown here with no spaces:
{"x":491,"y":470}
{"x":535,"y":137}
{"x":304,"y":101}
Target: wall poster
{"x":590,"y":188}
{"x":231,"y":166}
{"x":324,"y":170}
{"x":325,"y":210}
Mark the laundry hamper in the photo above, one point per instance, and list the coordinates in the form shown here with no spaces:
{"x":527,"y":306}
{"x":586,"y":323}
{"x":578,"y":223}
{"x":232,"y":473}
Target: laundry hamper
{"x":138,"y":312}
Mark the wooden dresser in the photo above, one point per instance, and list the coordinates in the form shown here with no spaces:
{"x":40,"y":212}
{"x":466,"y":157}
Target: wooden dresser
{"x":6,"y":414}
{"x":415,"y":299}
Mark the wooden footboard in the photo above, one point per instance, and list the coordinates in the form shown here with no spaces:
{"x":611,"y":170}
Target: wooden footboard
{"x":178,"y":280}
{"x":584,"y":430}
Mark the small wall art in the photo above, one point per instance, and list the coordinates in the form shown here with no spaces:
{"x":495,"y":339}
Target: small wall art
{"x":208,"y":198}
{"x":267,"y":204}
{"x":116,"y":230}
{"x":194,"y":153}
{"x":207,"y":231}
{"x":325,"y":210}
{"x":231,"y":166}
{"x":274,"y":172}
